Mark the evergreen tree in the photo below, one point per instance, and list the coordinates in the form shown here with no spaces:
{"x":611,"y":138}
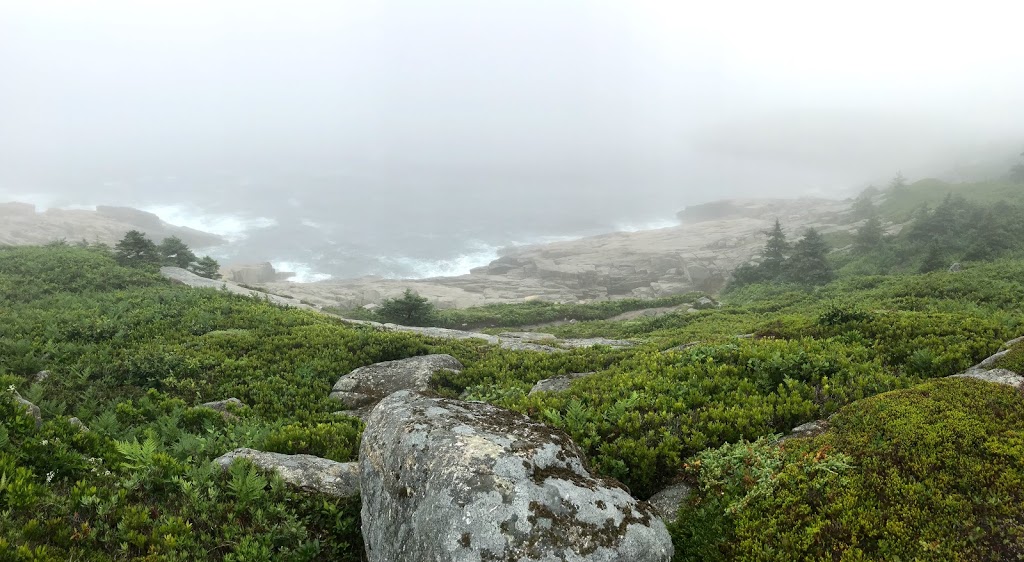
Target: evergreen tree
{"x":174,"y":252}
{"x":774,"y":253}
{"x":934,"y":260}
{"x":869,"y":236}
{"x":135,"y":250}
{"x":746,"y":274}
{"x":206,"y":267}
{"x":863,"y":207}
{"x":409,"y":310}
{"x":898,"y":182}
{"x":809,"y":263}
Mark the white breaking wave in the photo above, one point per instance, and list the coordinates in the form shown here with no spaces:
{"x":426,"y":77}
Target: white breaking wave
{"x":655,"y":224}
{"x":480,"y":255}
{"x":231,"y":227}
{"x":303,"y":273}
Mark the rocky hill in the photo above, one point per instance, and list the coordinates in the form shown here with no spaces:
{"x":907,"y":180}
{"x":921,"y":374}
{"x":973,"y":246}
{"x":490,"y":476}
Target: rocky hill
{"x":21,"y":225}
{"x":697,"y":255}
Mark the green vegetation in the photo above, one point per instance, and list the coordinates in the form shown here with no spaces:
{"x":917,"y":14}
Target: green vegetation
{"x":914,"y":469}
{"x":899,"y":206}
{"x":532,"y":313}
{"x":409,"y":310}
{"x":805,"y":263}
{"x":135,"y":250}
{"x":928,"y":473}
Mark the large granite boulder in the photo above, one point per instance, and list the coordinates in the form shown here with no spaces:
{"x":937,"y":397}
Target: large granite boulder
{"x":312,"y":474}
{"x":369,"y":384}
{"x":445,"y":480}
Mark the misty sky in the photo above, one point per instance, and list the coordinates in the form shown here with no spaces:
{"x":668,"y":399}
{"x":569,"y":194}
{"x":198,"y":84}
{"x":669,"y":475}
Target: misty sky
{"x":518,"y":113}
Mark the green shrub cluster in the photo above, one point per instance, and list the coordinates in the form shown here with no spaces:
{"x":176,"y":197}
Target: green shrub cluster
{"x":928,"y":473}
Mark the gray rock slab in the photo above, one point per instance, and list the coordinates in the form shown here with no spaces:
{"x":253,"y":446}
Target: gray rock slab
{"x":309,"y":473}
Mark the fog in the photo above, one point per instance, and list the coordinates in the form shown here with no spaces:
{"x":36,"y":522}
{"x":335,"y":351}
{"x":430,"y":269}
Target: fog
{"x":344,"y":132}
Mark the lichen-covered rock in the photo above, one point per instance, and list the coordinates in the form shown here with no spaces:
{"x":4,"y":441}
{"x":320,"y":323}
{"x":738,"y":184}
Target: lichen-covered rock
{"x":560,"y":383}
{"x":667,"y":502}
{"x":313,"y":474}
{"x":41,"y":376}
{"x":444,"y":480}
{"x":368,"y":385}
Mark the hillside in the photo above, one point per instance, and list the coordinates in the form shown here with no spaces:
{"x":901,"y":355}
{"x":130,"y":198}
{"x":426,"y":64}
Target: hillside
{"x":21,"y":224}
{"x":913,"y":466}
{"x":697,"y":255}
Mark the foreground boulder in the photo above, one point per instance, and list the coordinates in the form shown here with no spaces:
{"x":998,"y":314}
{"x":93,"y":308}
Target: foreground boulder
{"x":312,"y":474}
{"x":369,"y":384}
{"x":444,"y":480}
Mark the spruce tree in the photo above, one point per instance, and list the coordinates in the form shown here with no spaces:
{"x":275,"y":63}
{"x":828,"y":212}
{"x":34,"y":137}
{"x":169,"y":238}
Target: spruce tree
{"x":174,"y":252}
{"x":135,"y":250}
{"x":809,"y":263}
{"x":869,"y":236}
{"x":774,"y":254}
{"x":206,"y":267}
{"x":409,"y":310}
{"x":934,"y":260}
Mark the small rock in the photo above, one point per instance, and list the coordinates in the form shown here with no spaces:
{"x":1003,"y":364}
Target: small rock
{"x":31,"y":408}
{"x":222,"y":406}
{"x":809,"y":429}
{"x":79,"y":424}
{"x":667,"y":502}
{"x":955,"y":268}
{"x":313,"y":474}
{"x":705,"y":302}
{"x":560,"y":383}
{"x":41,"y":376}
{"x":998,"y":376}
